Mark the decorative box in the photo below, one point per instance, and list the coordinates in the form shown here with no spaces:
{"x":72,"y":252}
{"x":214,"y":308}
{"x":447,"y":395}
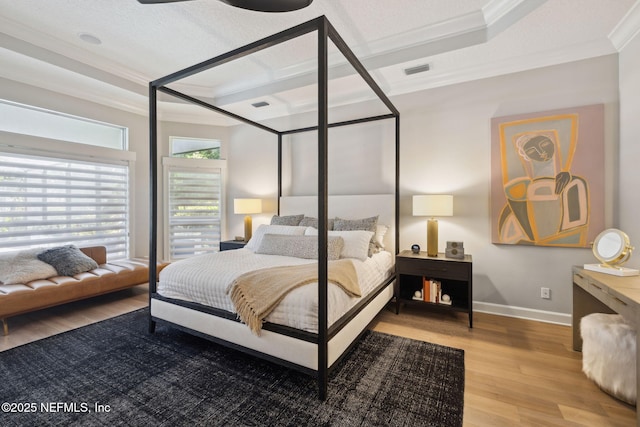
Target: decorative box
{"x":454,"y":250}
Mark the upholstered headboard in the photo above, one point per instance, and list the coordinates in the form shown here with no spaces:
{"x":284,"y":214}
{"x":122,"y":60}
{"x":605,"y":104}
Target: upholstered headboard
{"x":348,"y":207}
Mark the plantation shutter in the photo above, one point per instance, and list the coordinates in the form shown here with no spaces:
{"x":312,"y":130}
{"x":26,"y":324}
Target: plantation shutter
{"x":194,"y":195}
{"x":48,"y":201}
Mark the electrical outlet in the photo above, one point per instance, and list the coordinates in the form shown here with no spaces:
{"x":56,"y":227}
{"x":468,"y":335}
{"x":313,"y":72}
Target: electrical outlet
{"x":545,"y":293}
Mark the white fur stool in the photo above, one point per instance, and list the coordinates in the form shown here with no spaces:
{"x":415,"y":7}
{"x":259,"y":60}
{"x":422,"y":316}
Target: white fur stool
{"x":609,"y":354}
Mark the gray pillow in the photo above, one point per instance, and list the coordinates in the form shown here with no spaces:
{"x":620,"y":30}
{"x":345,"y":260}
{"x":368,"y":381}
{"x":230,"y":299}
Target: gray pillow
{"x":367,"y":224}
{"x":286,"y":220}
{"x":309,"y":221}
{"x":299,"y":246}
{"x":23,"y":267}
{"x":68,"y":260}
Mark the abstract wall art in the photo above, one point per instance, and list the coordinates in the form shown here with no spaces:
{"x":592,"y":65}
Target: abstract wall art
{"x":547,"y":183}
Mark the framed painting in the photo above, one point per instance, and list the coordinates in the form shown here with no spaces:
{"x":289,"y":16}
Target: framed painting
{"x":547,"y":177}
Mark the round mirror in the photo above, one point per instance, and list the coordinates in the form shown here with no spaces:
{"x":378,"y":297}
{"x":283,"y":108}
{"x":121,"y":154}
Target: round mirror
{"x":612,"y":247}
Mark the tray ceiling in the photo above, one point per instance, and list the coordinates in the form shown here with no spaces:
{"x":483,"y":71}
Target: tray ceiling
{"x":49,"y":44}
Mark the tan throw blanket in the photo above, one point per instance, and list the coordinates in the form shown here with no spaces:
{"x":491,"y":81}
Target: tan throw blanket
{"x":255,"y":294}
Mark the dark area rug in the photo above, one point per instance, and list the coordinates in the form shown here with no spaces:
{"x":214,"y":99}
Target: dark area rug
{"x":114,"y":373}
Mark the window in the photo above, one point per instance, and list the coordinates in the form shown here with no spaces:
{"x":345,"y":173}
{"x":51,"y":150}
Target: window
{"x":195,"y":148}
{"x":63,"y":180}
{"x":27,"y":120}
{"x":50,"y":201}
{"x":194,"y":197}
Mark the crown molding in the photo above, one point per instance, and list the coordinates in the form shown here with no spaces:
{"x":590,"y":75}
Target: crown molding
{"x":433,"y":79}
{"x":500,"y":14}
{"x":627,"y":28}
{"x":60,"y":51}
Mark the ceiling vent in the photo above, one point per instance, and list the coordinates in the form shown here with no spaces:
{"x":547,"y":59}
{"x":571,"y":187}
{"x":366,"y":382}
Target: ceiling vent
{"x":417,"y":69}
{"x":260,"y":104}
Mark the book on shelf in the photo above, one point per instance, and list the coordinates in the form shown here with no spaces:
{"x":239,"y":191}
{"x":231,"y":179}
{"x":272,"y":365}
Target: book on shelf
{"x":431,"y":290}
{"x":426,"y":289}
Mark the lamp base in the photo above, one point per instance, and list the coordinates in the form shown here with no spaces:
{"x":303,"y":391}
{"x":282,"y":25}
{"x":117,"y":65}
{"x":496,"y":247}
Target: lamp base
{"x":247,"y":228}
{"x":432,"y":237}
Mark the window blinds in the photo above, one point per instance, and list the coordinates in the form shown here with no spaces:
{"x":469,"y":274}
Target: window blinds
{"x":194,"y":210}
{"x":46,"y":201}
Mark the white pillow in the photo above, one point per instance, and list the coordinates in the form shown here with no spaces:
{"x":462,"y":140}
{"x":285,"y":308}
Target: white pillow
{"x":256,"y":239}
{"x":24,"y":267}
{"x":378,"y":239}
{"x":356,"y":242}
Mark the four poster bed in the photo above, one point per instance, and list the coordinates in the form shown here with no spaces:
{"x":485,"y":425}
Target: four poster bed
{"x":311,"y":327}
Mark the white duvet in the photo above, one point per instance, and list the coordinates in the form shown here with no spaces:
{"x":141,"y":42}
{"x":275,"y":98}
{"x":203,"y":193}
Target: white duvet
{"x":205,"y":279}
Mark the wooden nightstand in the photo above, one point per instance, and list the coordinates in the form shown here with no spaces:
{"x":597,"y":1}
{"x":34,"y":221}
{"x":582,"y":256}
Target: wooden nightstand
{"x":232,"y":244}
{"x":454,"y":276}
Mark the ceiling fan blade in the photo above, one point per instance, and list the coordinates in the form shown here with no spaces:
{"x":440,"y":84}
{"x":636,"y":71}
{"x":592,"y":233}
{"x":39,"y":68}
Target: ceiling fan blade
{"x":257,"y":5}
{"x":159,"y":1}
{"x":269,"y":6}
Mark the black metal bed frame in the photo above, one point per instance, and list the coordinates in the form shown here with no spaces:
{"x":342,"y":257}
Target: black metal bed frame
{"x":325,"y":32}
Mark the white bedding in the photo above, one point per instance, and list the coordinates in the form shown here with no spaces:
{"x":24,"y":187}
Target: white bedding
{"x":205,"y":279}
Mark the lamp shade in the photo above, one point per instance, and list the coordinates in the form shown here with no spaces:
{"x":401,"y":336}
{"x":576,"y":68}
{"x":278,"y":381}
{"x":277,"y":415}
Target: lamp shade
{"x":247,"y":206}
{"x":433,"y":205}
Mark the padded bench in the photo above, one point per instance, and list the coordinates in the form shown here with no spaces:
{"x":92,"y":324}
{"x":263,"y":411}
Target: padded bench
{"x":110,"y":276}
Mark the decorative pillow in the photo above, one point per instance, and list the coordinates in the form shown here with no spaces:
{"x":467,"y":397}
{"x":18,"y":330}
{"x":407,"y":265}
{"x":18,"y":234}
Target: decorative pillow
{"x":356,"y":242}
{"x":309,"y":221}
{"x":286,"y":220}
{"x":254,"y":243}
{"x":23,"y":267}
{"x":299,"y":246}
{"x":378,"y":238}
{"x":68,"y":260}
{"x":368,"y":224}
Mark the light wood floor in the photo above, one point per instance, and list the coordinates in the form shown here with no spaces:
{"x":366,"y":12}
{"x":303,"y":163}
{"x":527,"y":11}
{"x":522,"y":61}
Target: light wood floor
{"x":518,"y":372}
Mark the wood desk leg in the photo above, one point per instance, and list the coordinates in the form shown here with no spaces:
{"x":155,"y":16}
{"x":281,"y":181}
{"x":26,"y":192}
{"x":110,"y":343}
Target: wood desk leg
{"x":5,"y":327}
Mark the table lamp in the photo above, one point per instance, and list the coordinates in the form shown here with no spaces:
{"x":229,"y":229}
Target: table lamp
{"x":247,"y":207}
{"x":433,"y":205}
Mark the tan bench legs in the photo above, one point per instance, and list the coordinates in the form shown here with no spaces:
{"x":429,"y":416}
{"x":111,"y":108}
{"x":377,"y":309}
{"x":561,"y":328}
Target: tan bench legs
{"x":5,"y":326}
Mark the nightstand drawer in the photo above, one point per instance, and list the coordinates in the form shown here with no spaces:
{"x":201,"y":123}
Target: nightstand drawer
{"x":441,"y":269}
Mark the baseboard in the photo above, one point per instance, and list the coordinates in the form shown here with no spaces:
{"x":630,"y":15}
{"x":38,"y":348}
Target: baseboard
{"x":523,"y":313}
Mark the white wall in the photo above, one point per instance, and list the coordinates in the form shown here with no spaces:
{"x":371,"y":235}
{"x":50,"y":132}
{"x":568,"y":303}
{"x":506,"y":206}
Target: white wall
{"x":361,"y":158}
{"x":252,"y":163}
{"x":629,"y":204}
